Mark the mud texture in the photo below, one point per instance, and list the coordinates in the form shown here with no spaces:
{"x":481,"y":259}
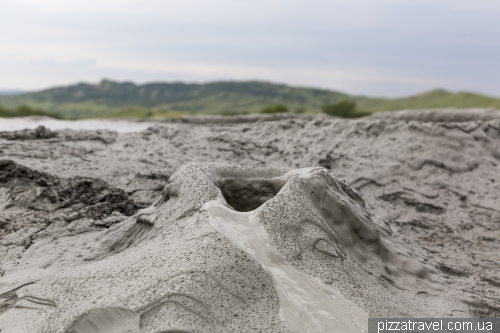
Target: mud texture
{"x":38,"y":199}
{"x":414,"y":229}
{"x":441,"y":115}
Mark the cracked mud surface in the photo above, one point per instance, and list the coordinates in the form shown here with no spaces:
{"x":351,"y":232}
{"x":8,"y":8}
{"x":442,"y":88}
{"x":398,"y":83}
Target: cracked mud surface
{"x":435,"y":183}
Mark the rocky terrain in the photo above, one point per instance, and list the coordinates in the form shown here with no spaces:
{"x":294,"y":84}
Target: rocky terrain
{"x":85,"y":215}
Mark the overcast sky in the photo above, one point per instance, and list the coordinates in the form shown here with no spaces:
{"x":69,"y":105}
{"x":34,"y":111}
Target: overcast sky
{"x":370,"y":47}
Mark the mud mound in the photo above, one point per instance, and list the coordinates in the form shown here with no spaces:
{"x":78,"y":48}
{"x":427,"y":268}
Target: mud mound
{"x":233,"y":249}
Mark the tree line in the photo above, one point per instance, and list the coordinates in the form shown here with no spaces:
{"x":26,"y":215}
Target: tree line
{"x":343,"y":108}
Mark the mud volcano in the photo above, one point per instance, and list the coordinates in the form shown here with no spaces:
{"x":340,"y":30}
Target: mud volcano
{"x":229,"y":248}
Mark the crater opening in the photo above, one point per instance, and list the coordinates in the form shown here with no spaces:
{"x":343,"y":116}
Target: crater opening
{"x":245,"y":195}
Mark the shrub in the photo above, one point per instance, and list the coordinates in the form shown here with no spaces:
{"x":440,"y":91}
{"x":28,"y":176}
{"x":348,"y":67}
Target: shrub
{"x":344,"y":109}
{"x":25,"y":111}
{"x":276,"y":108}
{"x":4,"y":112}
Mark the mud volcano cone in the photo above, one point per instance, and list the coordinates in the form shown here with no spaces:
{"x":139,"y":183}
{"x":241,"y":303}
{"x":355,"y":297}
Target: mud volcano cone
{"x":230,"y":248}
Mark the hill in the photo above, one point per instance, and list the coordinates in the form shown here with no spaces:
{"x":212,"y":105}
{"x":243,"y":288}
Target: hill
{"x":115,"y":99}
{"x":86,"y":100}
{"x":433,"y":99}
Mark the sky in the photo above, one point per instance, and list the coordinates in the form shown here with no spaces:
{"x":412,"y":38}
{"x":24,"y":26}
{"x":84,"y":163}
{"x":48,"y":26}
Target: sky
{"x":385,"y":48}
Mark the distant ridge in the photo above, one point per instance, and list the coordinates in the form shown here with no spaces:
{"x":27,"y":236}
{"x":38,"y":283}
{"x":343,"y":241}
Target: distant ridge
{"x":437,"y":98}
{"x":126,"y":99}
{"x":4,"y":92}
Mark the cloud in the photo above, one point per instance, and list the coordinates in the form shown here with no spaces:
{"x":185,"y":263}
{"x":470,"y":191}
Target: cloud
{"x":47,"y":73}
{"x":405,"y":45}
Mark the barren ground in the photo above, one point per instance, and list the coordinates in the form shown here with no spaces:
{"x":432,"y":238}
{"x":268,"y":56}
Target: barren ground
{"x":436,"y":183}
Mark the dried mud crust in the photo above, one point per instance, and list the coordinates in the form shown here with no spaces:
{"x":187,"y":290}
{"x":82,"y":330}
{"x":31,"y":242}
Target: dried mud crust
{"x":434,"y":183}
{"x":444,"y":115}
{"x":43,"y":133}
{"x":31,"y":201}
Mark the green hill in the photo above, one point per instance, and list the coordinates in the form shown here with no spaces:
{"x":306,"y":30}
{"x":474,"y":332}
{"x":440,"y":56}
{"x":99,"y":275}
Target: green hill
{"x":114,"y":99}
{"x":86,"y":100}
{"x":433,"y":99}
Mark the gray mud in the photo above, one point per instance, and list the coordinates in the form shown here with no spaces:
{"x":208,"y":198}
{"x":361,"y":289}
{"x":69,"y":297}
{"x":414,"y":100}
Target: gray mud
{"x":89,"y":231}
{"x":441,"y":115}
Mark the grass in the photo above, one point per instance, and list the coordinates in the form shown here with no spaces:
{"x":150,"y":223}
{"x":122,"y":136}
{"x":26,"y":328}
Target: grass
{"x":25,"y":111}
{"x":116,"y":100}
{"x":142,"y":112}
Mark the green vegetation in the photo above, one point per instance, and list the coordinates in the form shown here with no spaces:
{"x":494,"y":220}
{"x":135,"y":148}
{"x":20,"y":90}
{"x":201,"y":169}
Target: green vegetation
{"x":300,"y":110}
{"x":25,"y":111}
{"x":136,"y":111}
{"x":114,"y":99}
{"x":233,"y":113}
{"x":344,"y":109}
{"x":276,"y":108}
{"x":433,"y":99}
{"x":111,"y":98}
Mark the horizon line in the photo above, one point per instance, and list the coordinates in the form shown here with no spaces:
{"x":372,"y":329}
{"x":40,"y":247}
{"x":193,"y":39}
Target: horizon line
{"x":17,"y":91}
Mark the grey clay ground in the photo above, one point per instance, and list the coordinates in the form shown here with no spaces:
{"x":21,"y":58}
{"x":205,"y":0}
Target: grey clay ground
{"x":434,"y":183}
